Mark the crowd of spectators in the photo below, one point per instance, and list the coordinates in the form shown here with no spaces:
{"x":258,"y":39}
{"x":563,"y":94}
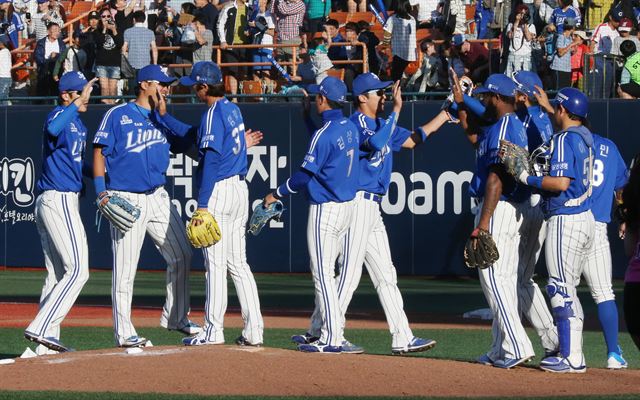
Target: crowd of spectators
{"x":417,"y":41}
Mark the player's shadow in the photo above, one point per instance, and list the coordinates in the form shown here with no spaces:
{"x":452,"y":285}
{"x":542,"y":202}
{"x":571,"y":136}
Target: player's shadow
{"x":7,"y":355}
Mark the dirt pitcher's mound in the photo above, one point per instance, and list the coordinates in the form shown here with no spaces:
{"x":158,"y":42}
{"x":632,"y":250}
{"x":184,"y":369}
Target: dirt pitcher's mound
{"x":232,"y":370}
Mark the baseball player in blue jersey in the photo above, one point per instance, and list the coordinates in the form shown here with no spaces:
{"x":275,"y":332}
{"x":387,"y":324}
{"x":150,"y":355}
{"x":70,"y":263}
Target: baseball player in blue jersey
{"x":132,"y":146}
{"x":570,"y":224}
{"x":329,"y":174}
{"x":502,"y":203}
{"x":223,"y":192}
{"x":366,"y":240}
{"x":62,"y":234}
{"x":609,"y":177}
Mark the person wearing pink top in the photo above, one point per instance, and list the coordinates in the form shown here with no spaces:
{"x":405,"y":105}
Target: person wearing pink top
{"x":631,"y":233}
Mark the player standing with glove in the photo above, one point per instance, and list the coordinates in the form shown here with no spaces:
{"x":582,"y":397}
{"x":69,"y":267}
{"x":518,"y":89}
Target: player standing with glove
{"x":330,"y":175}
{"x":131,"y":145}
{"x":62,"y":234}
{"x":366,"y":240}
{"x":223,"y":208}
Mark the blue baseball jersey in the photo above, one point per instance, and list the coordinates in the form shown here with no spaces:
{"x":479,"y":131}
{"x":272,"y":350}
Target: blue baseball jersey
{"x":507,"y":128}
{"x":538,"y":126}
{"x":134,"y":143}
{"x":375,"y":166}
{"x":610,"y":174}
{"x":569,"y":158}
{"x":558,"y":16}
{"x":63,"y":151}
{"x":222,"y":130}
{"x":332,"y":159}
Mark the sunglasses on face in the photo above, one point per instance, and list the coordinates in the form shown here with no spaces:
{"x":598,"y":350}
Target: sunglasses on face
{"x":378,"y":92}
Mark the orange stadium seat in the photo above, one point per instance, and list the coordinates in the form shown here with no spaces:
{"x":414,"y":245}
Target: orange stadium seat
{"x":336,"y":73}
{"x":361,"y":16}
{"x":339,"y":16}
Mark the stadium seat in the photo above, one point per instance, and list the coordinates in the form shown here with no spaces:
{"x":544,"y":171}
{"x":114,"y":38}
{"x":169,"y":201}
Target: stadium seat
{"x":251,"y":87}
{"x":336,"y":73}
{"x":339,"y":16}
{"x":361,"y":16}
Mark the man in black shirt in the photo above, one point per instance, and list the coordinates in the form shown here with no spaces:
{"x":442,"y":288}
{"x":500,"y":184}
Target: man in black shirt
{"x":209,"y":13}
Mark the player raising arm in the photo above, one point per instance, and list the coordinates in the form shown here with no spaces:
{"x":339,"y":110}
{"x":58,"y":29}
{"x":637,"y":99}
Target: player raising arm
{"x":62,"y":234}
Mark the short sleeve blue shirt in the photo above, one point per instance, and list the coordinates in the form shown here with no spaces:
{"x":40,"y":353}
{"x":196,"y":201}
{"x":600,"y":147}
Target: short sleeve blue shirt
{"x":376,"y":166}
{"x":610,"y":174}
{"x":332,"y":159}
{"x":63,"y":155}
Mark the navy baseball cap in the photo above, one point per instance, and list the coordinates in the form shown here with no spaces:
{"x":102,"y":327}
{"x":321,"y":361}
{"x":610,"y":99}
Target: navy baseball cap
{"x":331,"y":88}
{"x":526,"y":81}
{"x":616,"y":13}
{"x":498,"y":84}
{"x":573,"y":101}
{"x":154,"y":72}
{"x":457,"y":40}
{"x":203,"y":72}
{"x":72,"y":81}
{"x":39,"y":1}
{"x":367,"y":82}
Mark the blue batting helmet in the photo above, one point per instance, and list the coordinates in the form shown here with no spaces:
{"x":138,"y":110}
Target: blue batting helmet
{"x":573,"y":100}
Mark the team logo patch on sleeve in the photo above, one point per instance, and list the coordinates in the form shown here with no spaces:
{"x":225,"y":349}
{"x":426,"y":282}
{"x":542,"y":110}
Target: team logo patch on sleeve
{"x":125,"y":120}
{"x":560,"y":166}
{"x":309,"y":158}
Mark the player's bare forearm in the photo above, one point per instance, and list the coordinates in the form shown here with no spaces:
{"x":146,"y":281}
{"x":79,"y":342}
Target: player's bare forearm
{"x":98,"y":162}
{"x":555,"y":183}
{"x":429,"y":128}
{"x":469,"y":128}
{"x":492,"y":193}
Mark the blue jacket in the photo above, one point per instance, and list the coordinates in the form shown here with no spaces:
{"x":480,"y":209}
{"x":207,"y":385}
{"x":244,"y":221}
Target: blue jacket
{"x":46,"y":66}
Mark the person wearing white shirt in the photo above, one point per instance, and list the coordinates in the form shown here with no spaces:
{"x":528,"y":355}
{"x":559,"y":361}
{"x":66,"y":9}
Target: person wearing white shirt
{"x":5,"y":74}
{"x":400,"y":31}
{"x":521,"y":35}
{"x":602,"y":78}
{"x":424,"y":9}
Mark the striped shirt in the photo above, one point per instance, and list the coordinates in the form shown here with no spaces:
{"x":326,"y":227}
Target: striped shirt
{"x":403,"y":37}
{"x":562,"y":63}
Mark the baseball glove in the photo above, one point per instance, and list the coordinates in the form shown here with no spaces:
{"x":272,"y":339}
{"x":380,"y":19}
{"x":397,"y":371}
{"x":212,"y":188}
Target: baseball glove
{"x":480,"y":251}
{"x":205,"y":234}
{"x":118,"y":211}
{"x":515,"y":160}
{"x":262,"y":215}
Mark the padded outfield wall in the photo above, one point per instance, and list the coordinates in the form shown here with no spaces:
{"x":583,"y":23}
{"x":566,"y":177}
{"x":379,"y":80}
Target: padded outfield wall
{"x":428,"y":212}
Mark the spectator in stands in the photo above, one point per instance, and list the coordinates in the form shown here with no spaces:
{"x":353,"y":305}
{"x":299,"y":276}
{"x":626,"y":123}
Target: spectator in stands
{"x":73,"y":58}
{"x":316,"y":15}
{"x":423,"y":11}
{"x":139,"y":46}
{"x":46,"y":54}
{"x":5,"y":74}
{"x":319,"y":55}
{"x":232,"y":29}
{"x":426,"y":77}
{"x":521,"y":33}
{"x":624,"y":30}
{"x":578,"y":58}
{"x":451,"y":61}
{"x":475,"y":58}
{"x":88,"y":42}
{"x":37,"y":24}
{"x":356,"y":6}
{"x":353,"y":51}
{"x":458,"y":11}
{"x":208,"y":12}
{"x":305,"y":73}
{"x":288,"y":15}
{"x":108,"y":46}
{"x":263,"y":29}
{"x":561,"y":62}
{"x":483,"y":17}
{"x":602,"y":82}
{"x":13,"y":24}
{"x":371,"y":41}
{"x":565,"y":10}
{"x":629,"y":87}
{"x":331,"y":27}
{"x":400,"y":31}
{"x":540,"y":14}
{"x":122,"y":12}
{"x":159,"y":13}
{"x":204,"y":40}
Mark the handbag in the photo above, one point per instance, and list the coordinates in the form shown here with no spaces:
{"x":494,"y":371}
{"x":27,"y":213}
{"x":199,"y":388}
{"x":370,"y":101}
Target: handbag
{"x":126,"y":70}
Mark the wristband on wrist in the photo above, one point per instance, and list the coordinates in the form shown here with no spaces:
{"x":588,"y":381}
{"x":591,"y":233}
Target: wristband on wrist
{"x":421,"y":132}
{"x":98,"y":183}
{"x":277,"y":194}
{"x":535,"y":181}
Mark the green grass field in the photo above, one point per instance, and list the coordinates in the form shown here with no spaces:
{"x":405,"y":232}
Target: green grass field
{"x":427,"y":299}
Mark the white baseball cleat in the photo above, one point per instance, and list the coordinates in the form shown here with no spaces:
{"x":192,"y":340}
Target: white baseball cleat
{"x":615,"y":361}
{"x":199,"y":340}
{"x":134,"y":341}
{"x":191,"y":328}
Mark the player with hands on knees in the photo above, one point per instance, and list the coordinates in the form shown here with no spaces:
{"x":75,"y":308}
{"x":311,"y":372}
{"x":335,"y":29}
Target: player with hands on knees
{"x":219,"y":223}
{"x":367,"y":241}
{"x":57,"y":212}
{"x":566,"y":189}
{"x":131,"y":155}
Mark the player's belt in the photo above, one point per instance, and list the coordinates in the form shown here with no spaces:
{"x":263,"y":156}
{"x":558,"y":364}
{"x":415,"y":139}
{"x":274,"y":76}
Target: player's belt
{"x":152,"y":191}
{"x":373,"y":197}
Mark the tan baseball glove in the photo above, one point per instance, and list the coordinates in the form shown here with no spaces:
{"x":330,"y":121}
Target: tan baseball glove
{"x":203,"y":230}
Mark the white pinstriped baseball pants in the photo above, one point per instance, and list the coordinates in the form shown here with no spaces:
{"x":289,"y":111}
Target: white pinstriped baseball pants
{"x":327,"y":226}
{"x":531,"y":300}
{"x":229,"y":204}
{"x":66,"y":256}
{"x":597,"y":270}
{"x":160,"y":219}
{"x":569,"y":241}
{"x":366,"y":242}
{"x":500,"y":283}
